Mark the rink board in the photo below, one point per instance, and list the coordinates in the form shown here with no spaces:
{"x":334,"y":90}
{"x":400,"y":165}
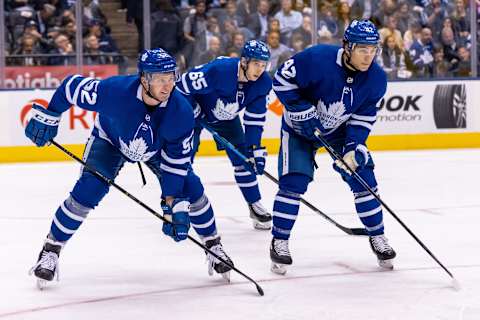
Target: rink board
{"x":413,"y":115}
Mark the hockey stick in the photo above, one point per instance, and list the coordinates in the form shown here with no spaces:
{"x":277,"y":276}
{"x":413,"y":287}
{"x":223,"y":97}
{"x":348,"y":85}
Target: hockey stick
{"x":227,"y":144}
{"x":156,"y":214}
{"x":335,"y":155}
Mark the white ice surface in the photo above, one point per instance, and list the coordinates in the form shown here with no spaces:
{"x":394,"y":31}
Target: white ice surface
{"x":119,"y":265}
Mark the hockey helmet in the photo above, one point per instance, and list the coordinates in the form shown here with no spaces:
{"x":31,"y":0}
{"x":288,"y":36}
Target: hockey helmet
{"x":361,"y":32}
{"x":156,"y":61}
{"x":255,"y":49}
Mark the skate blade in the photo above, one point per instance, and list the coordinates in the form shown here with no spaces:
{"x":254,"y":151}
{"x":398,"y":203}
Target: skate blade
{"x":386,"y":264}
{"x":226,"y":276}
{"x":257,"y":225}
{"x":42,"y":284}
{"x":279,"y":268}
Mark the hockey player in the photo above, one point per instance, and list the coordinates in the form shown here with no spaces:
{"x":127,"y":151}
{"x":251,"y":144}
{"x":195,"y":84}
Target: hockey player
{"x":140,"y":118}
{"x":218,"y":91}
{"x":334,"y":90}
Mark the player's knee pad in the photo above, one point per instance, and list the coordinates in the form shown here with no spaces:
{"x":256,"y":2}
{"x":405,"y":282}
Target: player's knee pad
{"x":295,"y":183}
{"x":89,"y":190}
{"x":193,"y":187}
{"x":234,"y":158}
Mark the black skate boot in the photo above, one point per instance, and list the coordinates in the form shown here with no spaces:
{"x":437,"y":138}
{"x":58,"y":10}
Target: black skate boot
{"x":261,"y":218}
{"x":46,"y":267}
{"x":385,"y":254}
{"x":280,"y":256}
{"x":213,"y":243}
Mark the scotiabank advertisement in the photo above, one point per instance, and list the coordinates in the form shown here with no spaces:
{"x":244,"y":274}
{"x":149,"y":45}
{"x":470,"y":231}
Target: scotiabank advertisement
{"x":51,"y":76}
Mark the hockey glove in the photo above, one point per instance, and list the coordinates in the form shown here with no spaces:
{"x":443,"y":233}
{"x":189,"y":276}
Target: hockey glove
{"x":305,"y":123}
{"x":356,"y":159}
{"x":257,"y":156}
{"x":43,"y":126}
{"x":179,"y":220}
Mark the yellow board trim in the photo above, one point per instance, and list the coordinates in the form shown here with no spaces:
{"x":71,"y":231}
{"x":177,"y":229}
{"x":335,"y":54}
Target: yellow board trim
{"x":208,"y":148}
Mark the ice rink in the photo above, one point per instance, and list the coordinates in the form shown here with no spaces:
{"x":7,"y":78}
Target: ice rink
{"x":119,"y":265}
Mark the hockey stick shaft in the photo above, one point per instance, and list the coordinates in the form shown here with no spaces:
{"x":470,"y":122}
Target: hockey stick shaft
{"x":336,"y":156}
{"x":156,"y":214}
{"x":230,"y":146}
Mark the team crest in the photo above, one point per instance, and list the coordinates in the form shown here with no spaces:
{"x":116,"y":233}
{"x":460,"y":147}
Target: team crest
{"x":225,"y":111}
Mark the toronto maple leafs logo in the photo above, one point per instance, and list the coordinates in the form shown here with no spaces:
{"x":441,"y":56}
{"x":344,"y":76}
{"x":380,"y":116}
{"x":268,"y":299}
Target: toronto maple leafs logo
{"x":136,"y":150}
{"x":226,"y":111}
{"x":333,"y":116}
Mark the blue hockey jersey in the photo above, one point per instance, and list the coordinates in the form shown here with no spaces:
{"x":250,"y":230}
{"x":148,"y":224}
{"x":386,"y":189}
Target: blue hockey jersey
{"x":215,"y":93}
{"x":140,"y":133}
{"x":346,"y":102}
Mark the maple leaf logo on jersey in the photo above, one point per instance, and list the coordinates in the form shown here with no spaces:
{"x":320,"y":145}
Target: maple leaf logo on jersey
{"x":224,"y":111}
{"x":136,"y":150}
{"x":333,"y":116}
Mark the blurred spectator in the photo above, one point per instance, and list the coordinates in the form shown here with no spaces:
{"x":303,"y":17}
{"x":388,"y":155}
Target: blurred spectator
{"x":276,"y":50}
{"x":406,"y":17}
{"x":213,"y":51}
{"x":45,"y":18}
{"x":461,"y":18}
{"x":391,"y":30}
{"x":196,"y":23}
{"x":327,"y":23}
{"x":31,"y":30}
{"x":107,"y":43}
{"x":298,"y":43}
{"x":232,"y":54}
{"x":413,"y":32}
{"x":421,"y":53}
{"x":289,"y":20}
{"x":441,"y":68}
{"x":70,"y":30}
{"x":91,"y":12}
{"x":167,"y":28}
{"x":463,"y":68}
{"x":450,"y":47}
{"x":304,"y":32}
{"x":135,"y":15}
{"x":363,"y":9}
{"x":63,"y":51}
{"x":238,"y":40}
{"x":343,"y":18}
{"x":258,"y":21}
{"x":230,"y":13}
{"x":93,"y":54}
{"x":385,"y":9}
{"x":28,"y":47}
{"x":202,"y":41}
{"x":392,"y":59}
{"x":433,"y":15}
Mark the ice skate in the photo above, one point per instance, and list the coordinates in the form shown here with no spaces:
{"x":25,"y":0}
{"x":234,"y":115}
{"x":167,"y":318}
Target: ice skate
{"x":213,"y":243}
{"x":384,"y":252}
{"x":261,"y":219}
{"x":280,"y":256}
{"x":46,"y":267}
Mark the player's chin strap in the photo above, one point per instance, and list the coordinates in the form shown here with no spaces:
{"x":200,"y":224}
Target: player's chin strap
{"x":348,"y":52}
{"x":149,"y":93}
{"x":244,"y":70}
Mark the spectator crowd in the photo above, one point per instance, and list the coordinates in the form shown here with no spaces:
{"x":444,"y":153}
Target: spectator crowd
{"x":43,"y":32}
{"x":419,"y":38}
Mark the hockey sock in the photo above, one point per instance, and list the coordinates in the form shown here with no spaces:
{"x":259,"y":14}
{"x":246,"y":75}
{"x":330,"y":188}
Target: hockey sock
{"x":202,"y":218}
{"x":370,"y":212}
{"x":67,"y":219}
{"x":285,"y":211}
{"x":247,"y":182}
